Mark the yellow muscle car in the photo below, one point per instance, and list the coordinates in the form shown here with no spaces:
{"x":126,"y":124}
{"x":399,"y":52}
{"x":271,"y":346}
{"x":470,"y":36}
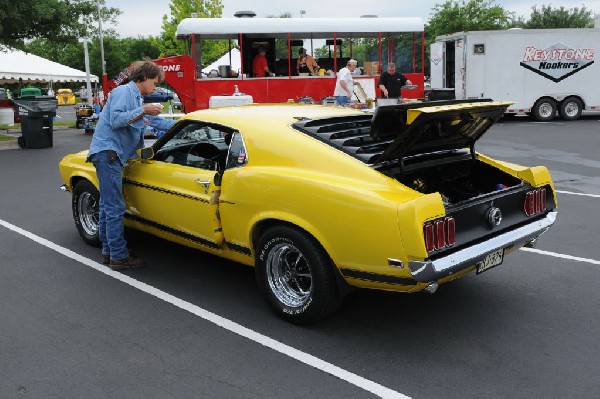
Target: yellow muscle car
{"x":319,"y":199}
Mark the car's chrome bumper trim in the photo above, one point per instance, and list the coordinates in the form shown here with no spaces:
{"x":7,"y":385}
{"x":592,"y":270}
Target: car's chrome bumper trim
{"x":432,"y":270}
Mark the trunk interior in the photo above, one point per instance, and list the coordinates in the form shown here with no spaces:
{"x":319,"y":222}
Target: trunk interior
{"x":457,"y":181}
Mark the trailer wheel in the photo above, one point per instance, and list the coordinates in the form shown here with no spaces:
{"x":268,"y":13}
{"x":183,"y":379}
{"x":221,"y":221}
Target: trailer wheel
{"x":570,"y":108}
{"x":544,"y":110}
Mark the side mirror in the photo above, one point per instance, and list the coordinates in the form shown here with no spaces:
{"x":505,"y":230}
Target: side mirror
{"x":146,"y":153}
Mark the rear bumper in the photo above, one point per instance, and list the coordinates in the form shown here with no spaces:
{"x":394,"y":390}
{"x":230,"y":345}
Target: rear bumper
{"x":432,"y":270}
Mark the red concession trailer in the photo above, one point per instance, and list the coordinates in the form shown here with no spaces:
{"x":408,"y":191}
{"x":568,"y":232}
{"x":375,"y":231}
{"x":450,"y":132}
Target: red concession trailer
{"x":372,"y":41}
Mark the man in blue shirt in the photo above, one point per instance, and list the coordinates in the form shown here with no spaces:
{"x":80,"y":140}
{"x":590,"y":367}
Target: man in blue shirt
{"x":118,"y":134}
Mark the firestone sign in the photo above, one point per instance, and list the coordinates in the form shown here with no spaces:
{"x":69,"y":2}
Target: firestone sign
{"x":558,"y":61}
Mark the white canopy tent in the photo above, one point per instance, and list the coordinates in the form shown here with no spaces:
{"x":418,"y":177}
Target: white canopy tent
{"x":16,"y":65}
{"x":232,"y":58}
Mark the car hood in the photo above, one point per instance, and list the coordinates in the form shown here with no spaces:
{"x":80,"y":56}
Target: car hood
{"x":417,"y":128}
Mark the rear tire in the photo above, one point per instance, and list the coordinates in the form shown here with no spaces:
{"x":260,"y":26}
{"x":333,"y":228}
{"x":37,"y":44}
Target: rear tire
{"x":86,"y":208}
{"x":570,"y":109}
{"x":544,"y":110}
{"x":296,"y":275}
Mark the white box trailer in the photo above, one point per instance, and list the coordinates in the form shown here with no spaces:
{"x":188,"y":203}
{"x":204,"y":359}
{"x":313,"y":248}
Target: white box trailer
{"x":542,"y":70}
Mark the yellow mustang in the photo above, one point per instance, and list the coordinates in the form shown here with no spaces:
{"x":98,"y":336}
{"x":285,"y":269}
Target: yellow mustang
{"x":318,"y":199}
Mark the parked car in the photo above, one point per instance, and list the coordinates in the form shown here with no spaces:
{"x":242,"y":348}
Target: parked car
{"x":159,"y":95}
{"x":30,"y":92}
{"x":65,"y":97}
{"x":319,"y":199}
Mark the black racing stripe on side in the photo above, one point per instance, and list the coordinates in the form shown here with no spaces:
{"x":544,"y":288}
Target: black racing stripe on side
{"x":187,"y":236}
{"x":162,"y":190}
{"x":378,"y":278}
{"x":239,"y":248}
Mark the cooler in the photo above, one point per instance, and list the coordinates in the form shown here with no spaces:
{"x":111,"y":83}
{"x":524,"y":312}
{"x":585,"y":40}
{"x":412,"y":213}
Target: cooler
{"x":226,"y":101}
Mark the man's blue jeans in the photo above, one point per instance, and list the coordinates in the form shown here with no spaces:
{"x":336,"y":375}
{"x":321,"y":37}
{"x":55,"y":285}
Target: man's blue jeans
{"x":342,"y":100}
{"x":112,"y":205}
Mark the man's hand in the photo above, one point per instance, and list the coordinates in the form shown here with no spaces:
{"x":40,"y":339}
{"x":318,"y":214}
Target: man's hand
{"x":153,"y":109}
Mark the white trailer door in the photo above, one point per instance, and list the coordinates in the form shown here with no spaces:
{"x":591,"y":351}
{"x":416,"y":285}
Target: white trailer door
{"x":460,"y":69}
{"x":437,"y":65}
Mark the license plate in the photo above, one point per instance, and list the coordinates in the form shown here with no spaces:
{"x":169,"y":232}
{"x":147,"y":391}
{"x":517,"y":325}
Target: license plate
{"x":492,"y":260}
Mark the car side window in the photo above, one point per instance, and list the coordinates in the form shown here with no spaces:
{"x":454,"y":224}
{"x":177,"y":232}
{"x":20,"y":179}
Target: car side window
{"x":196,"y":144}
{"x":237,"y":155}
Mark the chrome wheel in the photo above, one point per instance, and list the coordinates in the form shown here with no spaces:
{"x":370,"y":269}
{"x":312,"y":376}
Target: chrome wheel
{"x":544,"y":110}
{"x":88,"y":213}
{"x":296,"y":275}
{"x":86,"y":209}
{"x":289,"y":276}
{"x":571,"y":108}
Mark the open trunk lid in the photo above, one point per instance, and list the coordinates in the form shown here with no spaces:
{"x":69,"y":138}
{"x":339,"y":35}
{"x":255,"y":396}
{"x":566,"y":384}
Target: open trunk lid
{"x":416,"y":128}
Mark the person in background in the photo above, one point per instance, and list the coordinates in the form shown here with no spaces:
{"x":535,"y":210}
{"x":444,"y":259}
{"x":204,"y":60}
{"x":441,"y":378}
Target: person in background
{"x":344,"y":86}
{"x":50,"y":92}
{"x":391,"y":81}
{"x":306,"y":63}
{"x":260,"y":66}
{"x":118,"y":134}
{"x":83,"y":94}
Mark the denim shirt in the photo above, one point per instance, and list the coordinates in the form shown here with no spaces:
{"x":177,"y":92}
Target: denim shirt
{"x":118,"y":129}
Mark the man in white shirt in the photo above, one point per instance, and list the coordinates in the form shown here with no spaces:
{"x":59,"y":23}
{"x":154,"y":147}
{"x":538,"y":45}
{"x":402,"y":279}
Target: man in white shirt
{"x":344,"y":86}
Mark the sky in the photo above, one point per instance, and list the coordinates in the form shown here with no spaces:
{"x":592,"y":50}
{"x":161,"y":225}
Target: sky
{"x":144,"y":18}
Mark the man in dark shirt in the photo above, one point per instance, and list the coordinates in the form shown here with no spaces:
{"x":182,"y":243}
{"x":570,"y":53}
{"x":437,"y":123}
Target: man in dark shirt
{"x":390,"y":82}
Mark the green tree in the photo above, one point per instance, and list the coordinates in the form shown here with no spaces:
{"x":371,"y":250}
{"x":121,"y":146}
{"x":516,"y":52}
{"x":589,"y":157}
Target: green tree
{"x":118,"y":53}
{"x":180,"y":9}
{"x":61,"y":21}
{"x":548,"y":18}
{"x":457,"y":16}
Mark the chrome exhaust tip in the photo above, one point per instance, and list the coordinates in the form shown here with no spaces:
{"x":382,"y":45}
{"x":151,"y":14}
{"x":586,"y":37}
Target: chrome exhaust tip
{"x":531,"y":244}
{"x":431,"y":288}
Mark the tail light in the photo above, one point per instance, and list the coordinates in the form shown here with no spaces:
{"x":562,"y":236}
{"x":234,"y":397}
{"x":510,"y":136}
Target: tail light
{"x":439,"y":234}
{"x":535,"y":202}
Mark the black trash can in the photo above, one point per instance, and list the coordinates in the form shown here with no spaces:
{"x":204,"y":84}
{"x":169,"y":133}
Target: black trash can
{"x":37,"y":121}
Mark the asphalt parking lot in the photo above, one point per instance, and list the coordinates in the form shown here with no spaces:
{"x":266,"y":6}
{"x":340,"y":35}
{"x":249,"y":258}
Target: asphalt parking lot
{"x":194,"y":326}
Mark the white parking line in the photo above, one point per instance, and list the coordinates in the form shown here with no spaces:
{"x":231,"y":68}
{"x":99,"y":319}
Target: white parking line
{"x":582,"y":194}
{"x":227,"y":324}
{"x":562,"y":256}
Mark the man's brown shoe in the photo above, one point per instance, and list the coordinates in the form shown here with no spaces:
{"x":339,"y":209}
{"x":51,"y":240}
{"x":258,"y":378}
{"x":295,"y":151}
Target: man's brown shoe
{"x":130,"y":262}
{"x":106,"y":258}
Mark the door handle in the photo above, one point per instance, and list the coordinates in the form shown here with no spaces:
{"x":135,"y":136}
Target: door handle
{"x":205,"y":183}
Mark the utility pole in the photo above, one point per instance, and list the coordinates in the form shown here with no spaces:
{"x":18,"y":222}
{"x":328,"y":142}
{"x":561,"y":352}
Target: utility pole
{"x":87,"y":70}
{"x":104,"y":78}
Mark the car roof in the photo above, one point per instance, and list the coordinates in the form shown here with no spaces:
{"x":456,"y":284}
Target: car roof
{"x":277,"y":115}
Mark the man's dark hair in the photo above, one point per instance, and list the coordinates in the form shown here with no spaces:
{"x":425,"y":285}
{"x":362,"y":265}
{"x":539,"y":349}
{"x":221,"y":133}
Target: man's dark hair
{"x":146,"y":69}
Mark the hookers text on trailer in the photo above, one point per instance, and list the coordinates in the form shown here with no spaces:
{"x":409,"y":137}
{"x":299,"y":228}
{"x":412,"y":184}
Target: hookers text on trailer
{"x":544,"y":71}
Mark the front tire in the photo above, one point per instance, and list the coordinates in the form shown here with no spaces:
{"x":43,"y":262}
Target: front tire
{"x":570,"y":109}
{"x":544,"y":110}
{"x":296,"y":275}
{"x":86,"y":208}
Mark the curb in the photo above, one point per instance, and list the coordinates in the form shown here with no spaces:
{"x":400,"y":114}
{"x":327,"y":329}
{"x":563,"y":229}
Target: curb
{"x":10,"y":131}
{"x":9,"y":145}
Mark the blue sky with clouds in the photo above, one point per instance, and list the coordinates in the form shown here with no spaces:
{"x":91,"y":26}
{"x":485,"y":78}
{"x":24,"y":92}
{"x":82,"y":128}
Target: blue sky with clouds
{"x":145,"y":18}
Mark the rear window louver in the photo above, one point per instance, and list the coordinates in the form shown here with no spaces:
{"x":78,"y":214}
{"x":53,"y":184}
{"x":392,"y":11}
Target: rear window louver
{"x":350,"y":134}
